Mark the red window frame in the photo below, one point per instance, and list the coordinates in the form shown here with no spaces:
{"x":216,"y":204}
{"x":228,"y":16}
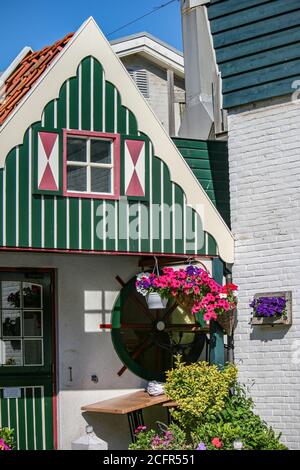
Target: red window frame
{"x":116,"y":164}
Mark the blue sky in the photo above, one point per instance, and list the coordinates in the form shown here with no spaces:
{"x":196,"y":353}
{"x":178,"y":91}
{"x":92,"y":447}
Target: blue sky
{"x":37,"y":23}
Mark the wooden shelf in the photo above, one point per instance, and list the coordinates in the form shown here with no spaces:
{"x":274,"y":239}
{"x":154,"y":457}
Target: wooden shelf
{"x":126,"y":403}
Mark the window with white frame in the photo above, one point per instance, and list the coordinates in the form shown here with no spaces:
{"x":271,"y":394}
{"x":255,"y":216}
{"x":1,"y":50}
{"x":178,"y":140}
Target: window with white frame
{"x":90,"y":165}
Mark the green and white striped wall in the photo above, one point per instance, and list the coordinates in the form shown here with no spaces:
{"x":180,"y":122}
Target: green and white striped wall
{"x":53,"y":222}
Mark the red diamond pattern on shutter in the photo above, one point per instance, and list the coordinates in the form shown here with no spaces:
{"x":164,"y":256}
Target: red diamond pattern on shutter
{"x":135,"y":168}
{"x":48,"y":165}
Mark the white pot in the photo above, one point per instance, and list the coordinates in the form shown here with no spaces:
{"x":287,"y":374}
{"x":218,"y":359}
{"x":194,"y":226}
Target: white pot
{"x":154,"y":300}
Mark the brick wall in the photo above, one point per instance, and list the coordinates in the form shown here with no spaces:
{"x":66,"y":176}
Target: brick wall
{"x":158,"y":88}
{"x":264,"y":162}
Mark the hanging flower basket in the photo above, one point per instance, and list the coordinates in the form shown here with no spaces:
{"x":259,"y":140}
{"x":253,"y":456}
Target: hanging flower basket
{"x":155,"y":301}
{"x":226,"y":321}
{"x":195,"y":291}
{"x":185,"y":301}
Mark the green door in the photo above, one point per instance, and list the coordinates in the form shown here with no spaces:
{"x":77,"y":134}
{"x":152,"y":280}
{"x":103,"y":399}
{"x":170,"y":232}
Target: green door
{"x":26,"y":358}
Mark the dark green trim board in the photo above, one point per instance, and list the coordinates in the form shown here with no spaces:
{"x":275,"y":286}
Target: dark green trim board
{"x":257,"y":44}
{"x":56,"y":220}
{"x":216,"y":350}
{"x":209,"y":162}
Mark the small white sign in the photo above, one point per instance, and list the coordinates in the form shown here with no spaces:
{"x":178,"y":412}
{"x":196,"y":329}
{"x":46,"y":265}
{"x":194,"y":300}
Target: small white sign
{"x":11,"y":392}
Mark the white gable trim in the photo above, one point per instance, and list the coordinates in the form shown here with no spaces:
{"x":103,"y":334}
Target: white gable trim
{"x":155,"y":51}
{"x":89,"y":40}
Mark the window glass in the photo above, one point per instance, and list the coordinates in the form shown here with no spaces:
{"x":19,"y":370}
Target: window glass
{"x":11,"y":353}
{"x":21,"y":322}
{"x":90,"y":165}
{"x":11,"y":323}
{"x":10,"y":294}
{"x":77,"y":180}
{"x":76,"y":149}
{"x":32,"y":323}
{"x":33,"y":352}
{"x":101,"y":180}
{"x":100,"y":151}
{"x":32,"y":295}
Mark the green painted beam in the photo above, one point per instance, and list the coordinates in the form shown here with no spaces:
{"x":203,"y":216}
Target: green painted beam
{"x":216,"y":350}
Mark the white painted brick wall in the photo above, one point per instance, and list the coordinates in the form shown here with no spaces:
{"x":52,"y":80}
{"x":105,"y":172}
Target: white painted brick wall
{"x":264,"y":160}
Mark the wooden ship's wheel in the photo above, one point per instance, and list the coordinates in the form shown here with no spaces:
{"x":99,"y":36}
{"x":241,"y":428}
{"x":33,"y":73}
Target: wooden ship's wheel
{"x":147,"y":340}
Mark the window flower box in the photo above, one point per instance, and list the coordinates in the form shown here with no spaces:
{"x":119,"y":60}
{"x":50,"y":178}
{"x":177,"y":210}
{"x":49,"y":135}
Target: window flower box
{"x":272,"y":308}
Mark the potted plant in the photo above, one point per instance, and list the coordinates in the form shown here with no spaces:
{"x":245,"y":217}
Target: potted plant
{"x":195,"y":290}
{"x":272,"y":309}
{"x":155,"y":295}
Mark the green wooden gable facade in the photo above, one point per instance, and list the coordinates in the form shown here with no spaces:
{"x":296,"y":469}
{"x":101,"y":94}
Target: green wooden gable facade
{"x":257,"y":48}
{"x":34,"y":218}
{"x":208,"y":160}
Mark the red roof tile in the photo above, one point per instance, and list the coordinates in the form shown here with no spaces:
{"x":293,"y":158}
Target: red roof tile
{"x":26,"y":74}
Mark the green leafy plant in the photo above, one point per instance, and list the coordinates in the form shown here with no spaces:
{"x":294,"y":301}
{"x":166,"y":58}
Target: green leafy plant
{"x":199,"y":390}
{"x":237,"y":421}
{"x":212,"y":411}
{"x":6,"y":439}
{"x":172,"y":438}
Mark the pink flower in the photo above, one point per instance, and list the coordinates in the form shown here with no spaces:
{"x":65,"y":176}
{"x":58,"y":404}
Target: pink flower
{"x":4,"y":446}
{"x":140,"y":429}
{"x":217,"y":443}
{"x":206,"y":317}
{"x":196,"y":290}
{"x":182,"y":274}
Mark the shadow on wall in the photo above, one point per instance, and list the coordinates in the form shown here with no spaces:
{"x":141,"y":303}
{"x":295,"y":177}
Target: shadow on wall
{"x":268,"y":333}
{"x":103,"y":424}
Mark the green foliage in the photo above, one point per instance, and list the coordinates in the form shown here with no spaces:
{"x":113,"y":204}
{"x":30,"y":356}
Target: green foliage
{"x":143,"y":440}
{"x":238,"y":421}
{"x":213,"y":410}
{"x":173,"y":438}
{"x":8,"y":436}
{"x":199,"y":390}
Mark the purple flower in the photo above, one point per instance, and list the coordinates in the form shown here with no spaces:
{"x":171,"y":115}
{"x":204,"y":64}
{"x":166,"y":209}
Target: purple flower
{"x":201,"y":446}
{"x":268,"y":306}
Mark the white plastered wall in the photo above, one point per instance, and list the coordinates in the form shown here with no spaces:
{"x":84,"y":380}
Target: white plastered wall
{"x":86,"y":287}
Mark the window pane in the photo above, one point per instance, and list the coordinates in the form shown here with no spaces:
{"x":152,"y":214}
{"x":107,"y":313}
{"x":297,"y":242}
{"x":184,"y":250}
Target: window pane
{"x":11,"y":294}
{"x":76,"y":149}
{"x":76,"y":176}
{"x":32,"y":323}
{"x":32,"y":295}
{"x":11,"y":323}
{"x":11,"y":353}
{"x":101,"y":180}
{"x":100,"y":151}
{"x":32,"y":352}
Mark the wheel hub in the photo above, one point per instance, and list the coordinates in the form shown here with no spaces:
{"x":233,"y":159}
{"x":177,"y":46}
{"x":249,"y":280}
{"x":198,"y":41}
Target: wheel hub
{"x":160,"y":325}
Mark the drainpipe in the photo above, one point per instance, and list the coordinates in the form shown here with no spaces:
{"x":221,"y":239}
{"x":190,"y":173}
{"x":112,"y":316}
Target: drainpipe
{"x":230,"y":340}
{"x":201,"y":71}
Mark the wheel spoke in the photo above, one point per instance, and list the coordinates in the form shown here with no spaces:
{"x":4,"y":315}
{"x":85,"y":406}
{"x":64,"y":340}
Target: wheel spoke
{"x":136,"y":326}
{"x":183,"y":327}
{"x":144,"y":345}
{"x":136,"y":300}
{"x":170,"y":311}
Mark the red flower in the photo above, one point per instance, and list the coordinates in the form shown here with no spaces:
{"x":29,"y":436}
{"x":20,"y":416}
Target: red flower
{"x":217,"y":443}
{"x":232,"y":286}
